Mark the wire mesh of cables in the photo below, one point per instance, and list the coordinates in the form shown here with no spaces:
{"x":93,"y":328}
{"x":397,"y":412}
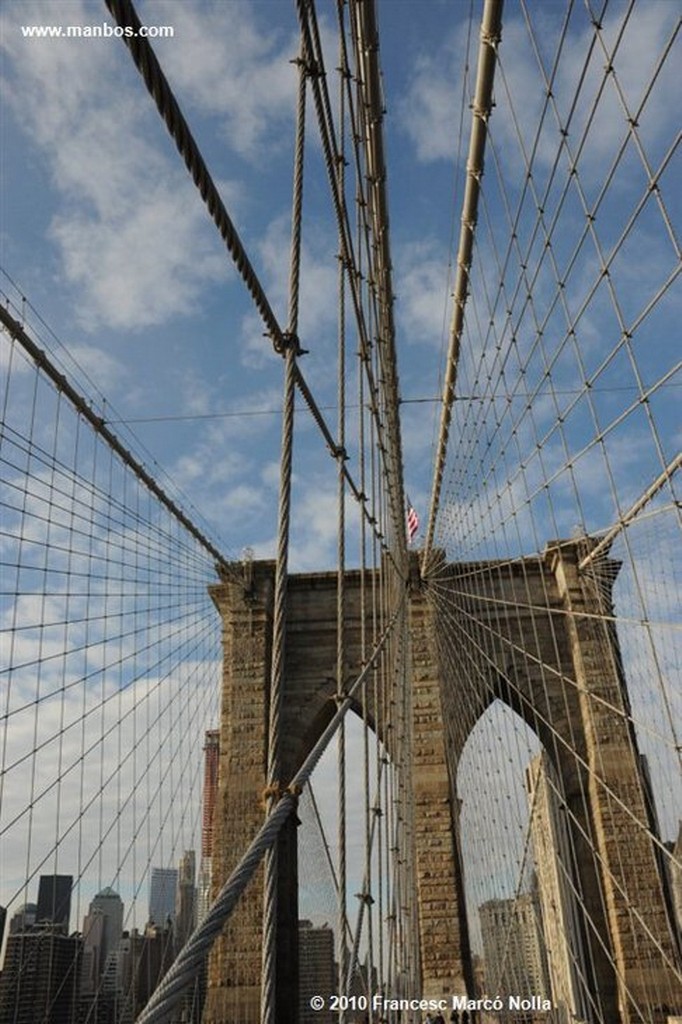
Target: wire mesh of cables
{"x":554,"y":562}
{"x":556,"y":568}
{"x":137,"y":646}
{"x":111,"y":675}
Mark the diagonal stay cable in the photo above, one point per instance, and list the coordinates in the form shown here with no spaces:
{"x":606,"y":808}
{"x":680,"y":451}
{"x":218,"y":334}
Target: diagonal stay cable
{"x":491,"y":28}
{"x":387,"y":387}
{"x":193,"y":954}
{"x":123,"y":11}
{"x":41,"y":360}
{"x":278,"y":662}
{"x":148,"y":65}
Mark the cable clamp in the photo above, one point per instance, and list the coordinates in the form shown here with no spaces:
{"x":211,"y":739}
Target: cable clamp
{"x":272,"y":794}
{"x":490,"y":38}
{"x":365,"y":898}
{"x":289,"y":340}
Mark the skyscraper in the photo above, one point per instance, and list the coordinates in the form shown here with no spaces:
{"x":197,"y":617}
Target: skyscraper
{"x":102,"y":929}
{"x":39,"y":981}
{"x":317,"y":973}
{"x":185,"y":900}
{"x":162,"y":895}
{"x":512,"y":946}
{"x":135,"y":968}
{"x":54,"y":900}
{"x":23,"y":918}
{"x":211,"y":765}
{"x":560,"y":924}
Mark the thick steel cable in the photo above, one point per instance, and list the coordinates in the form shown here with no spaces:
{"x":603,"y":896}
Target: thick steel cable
{"x":147,"y":64}
{"x":270,"y":902}
{"x":313,"y":51}
{"x":372,"y":108}
{"x":528,"y":184}
{"x":502,"y":264}
{"x":277,"y":674}
{"x":193,"y":954}
{"x":491,"y":25}
{"x":369,"y":812}
{"x":41,"y":360}
{"x":342,"y":945}
{"x":158,"y":87}
{"x":541,"y":204}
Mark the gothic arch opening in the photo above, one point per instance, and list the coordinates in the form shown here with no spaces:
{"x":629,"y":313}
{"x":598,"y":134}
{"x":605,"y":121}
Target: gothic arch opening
{"x":520,"y":881}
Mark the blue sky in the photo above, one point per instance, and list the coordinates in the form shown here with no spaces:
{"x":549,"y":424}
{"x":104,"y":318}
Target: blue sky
{"x":104,"y":233}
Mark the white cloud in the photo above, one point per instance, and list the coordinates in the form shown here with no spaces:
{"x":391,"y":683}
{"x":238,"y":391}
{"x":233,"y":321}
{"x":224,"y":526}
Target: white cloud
{"x":429,"y":110}
{"x":590,"y":112}
{"x":96,"y":363}
{"x":423,"y":289}
{"x":318,"y":302}
{"x":133,"y":236}
{"x":242,"y":76}
{"x":111,"y":682}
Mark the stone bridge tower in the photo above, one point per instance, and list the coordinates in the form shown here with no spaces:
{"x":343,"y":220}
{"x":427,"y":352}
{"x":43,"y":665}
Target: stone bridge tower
{"x":555,"y":661}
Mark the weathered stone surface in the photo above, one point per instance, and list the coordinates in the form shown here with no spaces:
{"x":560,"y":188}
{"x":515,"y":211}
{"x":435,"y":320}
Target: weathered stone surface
{"x":527,"y":634}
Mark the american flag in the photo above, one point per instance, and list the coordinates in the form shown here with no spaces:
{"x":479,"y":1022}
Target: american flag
{"x":412,"y":522}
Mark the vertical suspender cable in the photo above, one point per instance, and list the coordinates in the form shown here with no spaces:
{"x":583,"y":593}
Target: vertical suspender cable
{"x":274,"y":781}
{"x":491,"y":27}
{"x":341,"y":553}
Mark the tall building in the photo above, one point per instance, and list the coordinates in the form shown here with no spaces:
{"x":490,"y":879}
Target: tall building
{"x":162,"y":895}
{"x":102,"y":929}
{"x":211,"y":766}
{"x":39,"y":981}
{"x":186,"y":899}
{"x":136,"y":968}
{"x":54,"y":900}
{"x":317,"y":972}
{"x":23,"y":918}
{"x":204,"y":885}
{"x":558,"y":908}
{"x":512,"y":947}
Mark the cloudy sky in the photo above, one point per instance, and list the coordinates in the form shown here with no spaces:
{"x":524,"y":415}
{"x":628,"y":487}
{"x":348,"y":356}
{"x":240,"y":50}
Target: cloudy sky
{"x":105,"y":235}
{"x":103,"y":232}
